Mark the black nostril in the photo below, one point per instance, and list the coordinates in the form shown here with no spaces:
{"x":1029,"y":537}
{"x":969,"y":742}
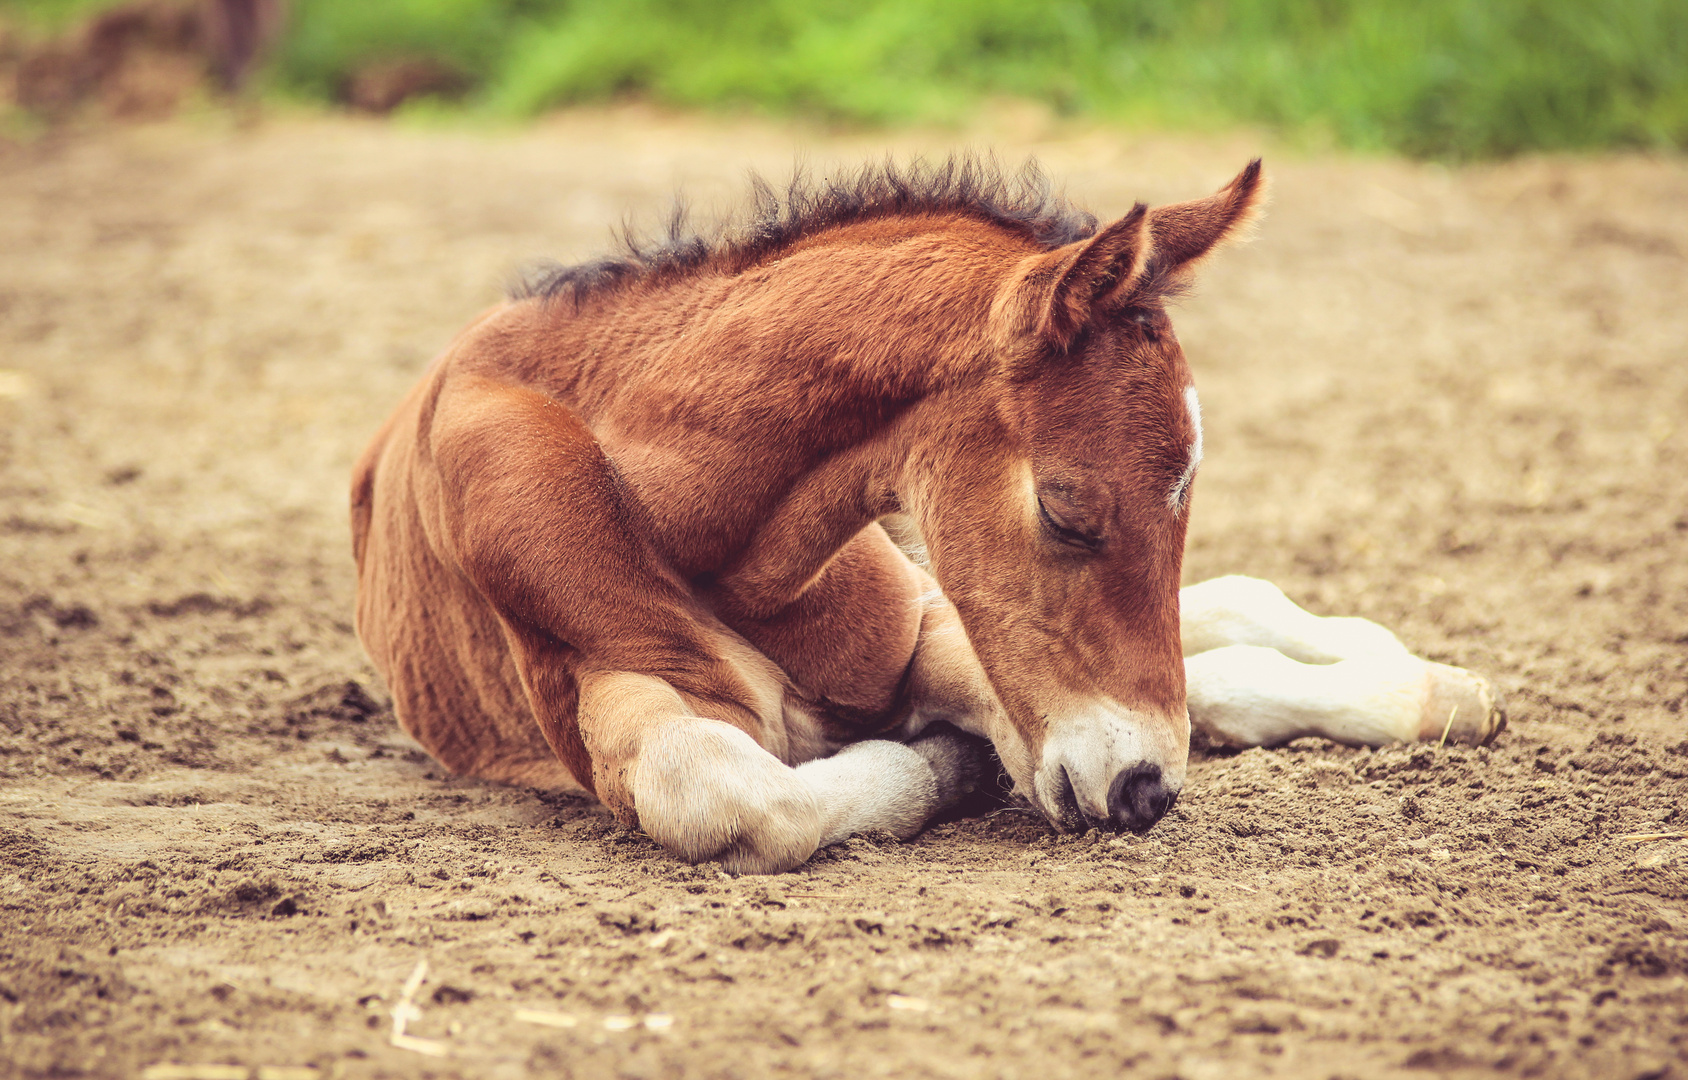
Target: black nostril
{"x":1137,"y":798}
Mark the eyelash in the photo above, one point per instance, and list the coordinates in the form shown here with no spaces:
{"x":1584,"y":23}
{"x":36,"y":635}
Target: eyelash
{"x":1070,"y":537}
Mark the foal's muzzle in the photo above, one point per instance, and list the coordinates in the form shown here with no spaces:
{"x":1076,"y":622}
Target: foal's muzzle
{"x":1110,"y":767}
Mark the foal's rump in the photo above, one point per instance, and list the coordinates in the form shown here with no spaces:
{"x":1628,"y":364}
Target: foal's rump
{"x":435,"y":639}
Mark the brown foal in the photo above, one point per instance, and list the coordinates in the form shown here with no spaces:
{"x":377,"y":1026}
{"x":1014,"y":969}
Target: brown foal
{"x":625,"y":533}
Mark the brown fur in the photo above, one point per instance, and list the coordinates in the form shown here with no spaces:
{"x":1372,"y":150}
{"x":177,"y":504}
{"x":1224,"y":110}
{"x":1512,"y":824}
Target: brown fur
{"x":649,"y":490}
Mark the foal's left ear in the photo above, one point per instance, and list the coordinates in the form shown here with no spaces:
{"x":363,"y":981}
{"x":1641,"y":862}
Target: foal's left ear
{"x":1058,"y":293}
{"x":1055,"y":295}
{"x":1184,"y":233}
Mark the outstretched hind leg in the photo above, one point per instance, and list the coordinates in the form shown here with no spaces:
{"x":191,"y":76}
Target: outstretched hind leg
{"x":1260,"y":670}
{"x":1237,"y":610}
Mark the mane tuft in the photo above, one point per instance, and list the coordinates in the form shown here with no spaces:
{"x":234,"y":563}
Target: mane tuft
{"x":1023,"y":201}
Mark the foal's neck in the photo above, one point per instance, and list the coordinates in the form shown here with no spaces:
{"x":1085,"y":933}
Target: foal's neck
{"x":880,"y":311}
{"x":719,"y":395}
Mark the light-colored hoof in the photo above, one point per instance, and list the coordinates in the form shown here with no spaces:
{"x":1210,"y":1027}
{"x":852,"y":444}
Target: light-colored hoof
{"x":1460,"y":707}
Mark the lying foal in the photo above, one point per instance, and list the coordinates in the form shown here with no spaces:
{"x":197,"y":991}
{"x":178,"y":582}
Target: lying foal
{"x":625,"y":534}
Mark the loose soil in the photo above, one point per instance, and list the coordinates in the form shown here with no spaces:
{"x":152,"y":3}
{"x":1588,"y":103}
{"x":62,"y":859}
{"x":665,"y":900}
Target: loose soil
{"x":1448,"y":400}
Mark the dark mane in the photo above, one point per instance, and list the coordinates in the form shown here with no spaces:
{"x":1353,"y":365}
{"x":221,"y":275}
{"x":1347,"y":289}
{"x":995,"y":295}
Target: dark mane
{"x":1023,"y":202}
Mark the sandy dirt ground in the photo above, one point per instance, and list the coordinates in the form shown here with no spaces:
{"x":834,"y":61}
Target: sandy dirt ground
{"x":1455,"y":401}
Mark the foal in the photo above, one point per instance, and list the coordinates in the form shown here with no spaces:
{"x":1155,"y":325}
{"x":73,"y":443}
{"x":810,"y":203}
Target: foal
{"x":625,"y":536}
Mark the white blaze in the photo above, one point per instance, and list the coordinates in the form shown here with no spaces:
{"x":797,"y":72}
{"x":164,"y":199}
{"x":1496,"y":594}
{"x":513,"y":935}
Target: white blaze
{"x":1180,"y":490}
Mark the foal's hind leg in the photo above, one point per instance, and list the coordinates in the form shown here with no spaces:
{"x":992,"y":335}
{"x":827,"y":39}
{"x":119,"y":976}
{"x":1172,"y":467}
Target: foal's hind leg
{"x":1260,"y":671}
{"x":702,"y":788}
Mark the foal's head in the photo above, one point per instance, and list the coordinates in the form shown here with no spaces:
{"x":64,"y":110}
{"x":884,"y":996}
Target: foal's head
{"x":1055,"y":522}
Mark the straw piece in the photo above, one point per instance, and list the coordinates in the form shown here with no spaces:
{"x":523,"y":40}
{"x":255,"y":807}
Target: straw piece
{"x":1644,"y":837}
{"x":1447,"y":727}
{"x":418,"y":976}
{"x":547,"y":1018}
{"x":406,"y":1011}
{"x":195,"y":1072}
{"x":431,"y":1047}
{"x":288,"y":1072}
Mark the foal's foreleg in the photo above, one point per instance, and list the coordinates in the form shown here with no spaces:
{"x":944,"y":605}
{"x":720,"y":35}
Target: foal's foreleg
{"x":883,"y":786}
{"x":1261,"y":671}
{"x":701,"y":788}
{"x":706,"y":790}
{"x":676,"y":721}
{"x":1250,"y":695}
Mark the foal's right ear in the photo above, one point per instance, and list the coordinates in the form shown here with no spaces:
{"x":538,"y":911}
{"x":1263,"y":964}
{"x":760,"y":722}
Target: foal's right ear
{"x":1186,"y":233}
{"x":1058,"y":293}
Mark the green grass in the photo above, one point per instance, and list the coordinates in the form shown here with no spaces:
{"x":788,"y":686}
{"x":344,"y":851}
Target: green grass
{"x":48,"y":16}
{"x":1431,"y":78}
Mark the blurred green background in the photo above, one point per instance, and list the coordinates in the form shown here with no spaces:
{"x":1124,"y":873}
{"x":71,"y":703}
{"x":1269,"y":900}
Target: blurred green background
{"x":1451,"y":79}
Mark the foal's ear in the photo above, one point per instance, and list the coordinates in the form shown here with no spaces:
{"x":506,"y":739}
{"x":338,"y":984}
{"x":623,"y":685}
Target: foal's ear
{"x":1184,"y":233}
{"x":1064,"y":288}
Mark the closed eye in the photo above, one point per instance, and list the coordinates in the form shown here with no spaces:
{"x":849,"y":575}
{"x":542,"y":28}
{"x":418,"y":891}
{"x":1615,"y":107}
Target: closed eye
{"x":1066,"y":534}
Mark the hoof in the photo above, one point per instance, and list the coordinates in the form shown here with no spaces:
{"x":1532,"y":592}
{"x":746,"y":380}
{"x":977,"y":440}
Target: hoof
{"x":1475,"y":707}
{"x":961,"y":763}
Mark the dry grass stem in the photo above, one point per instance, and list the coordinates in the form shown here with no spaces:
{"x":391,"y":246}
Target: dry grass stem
{"x":406,"y":1011}
{"x":547,"y":1018}
{"x":230,"y":1072}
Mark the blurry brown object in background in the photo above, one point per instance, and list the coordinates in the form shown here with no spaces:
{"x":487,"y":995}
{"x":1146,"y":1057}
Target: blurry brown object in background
{"x":139,"y":60}
{"x":236,"y":34}
{"x":384,"y":86}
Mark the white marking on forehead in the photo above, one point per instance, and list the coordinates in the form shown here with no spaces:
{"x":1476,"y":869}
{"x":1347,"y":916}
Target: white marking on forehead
{"x":1180,"y":492}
